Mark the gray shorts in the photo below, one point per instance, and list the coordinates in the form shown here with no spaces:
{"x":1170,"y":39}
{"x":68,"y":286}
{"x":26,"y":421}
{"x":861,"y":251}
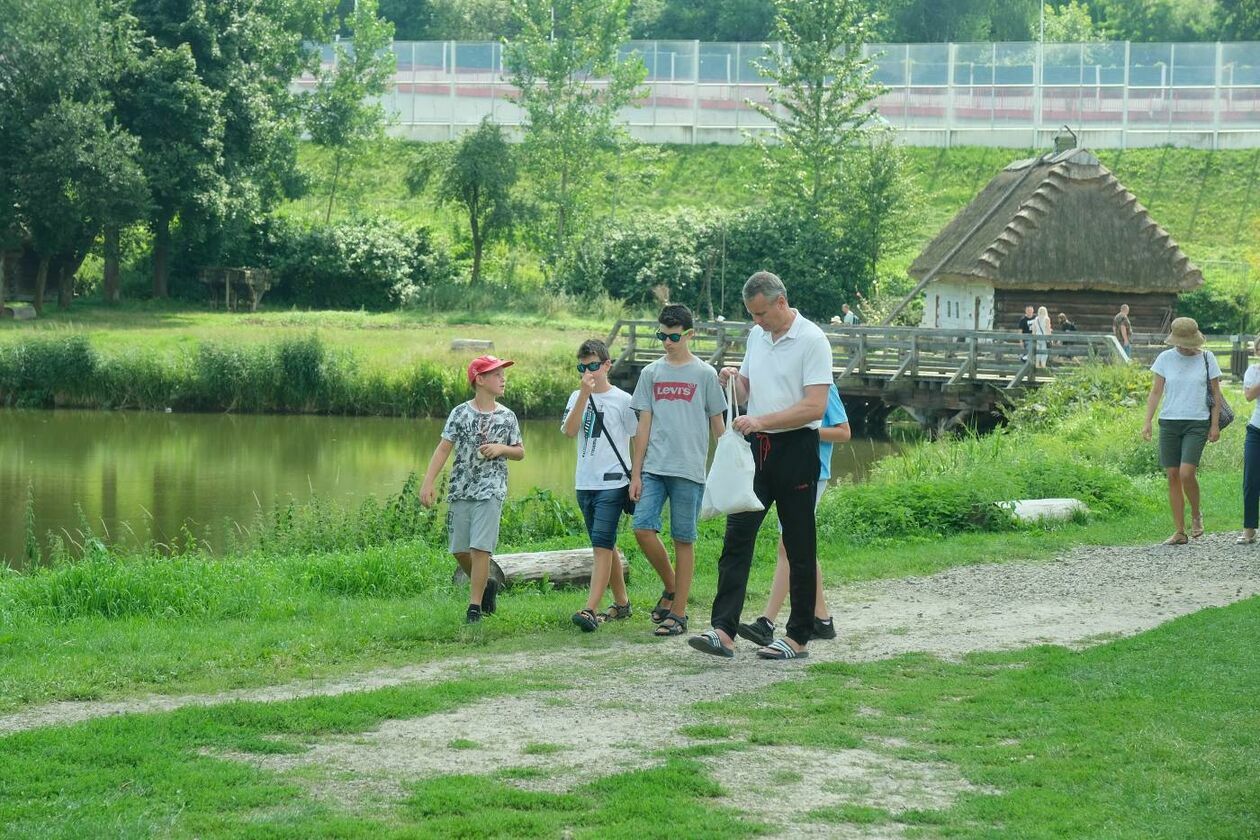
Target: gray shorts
{"x":1182,"y":442}
{"x":474,"y":523}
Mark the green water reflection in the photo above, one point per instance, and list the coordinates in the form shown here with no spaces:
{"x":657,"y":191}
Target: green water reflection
{"x":142,"y":475}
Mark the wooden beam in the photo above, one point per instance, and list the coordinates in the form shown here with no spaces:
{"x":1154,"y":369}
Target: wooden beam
{"x":566,"y":567}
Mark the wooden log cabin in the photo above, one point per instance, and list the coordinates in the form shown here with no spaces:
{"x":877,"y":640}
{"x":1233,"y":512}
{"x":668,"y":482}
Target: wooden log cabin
{"x":1057,"y":231}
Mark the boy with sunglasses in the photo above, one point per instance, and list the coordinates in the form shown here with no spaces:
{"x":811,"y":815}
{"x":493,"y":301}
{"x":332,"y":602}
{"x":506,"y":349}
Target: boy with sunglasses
{"x":600,"y":417}
{"x":680,"y":404}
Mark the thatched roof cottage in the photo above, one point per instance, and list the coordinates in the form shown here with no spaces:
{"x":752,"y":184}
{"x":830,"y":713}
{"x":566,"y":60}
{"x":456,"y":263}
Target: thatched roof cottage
{"x":1057,"y":231}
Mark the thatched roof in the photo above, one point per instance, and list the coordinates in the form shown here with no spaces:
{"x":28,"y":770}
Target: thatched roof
{"x":1061,"y":221}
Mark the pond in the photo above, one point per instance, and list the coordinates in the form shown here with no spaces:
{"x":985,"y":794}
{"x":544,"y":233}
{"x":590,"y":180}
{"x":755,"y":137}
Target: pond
{"x":134,"y":475}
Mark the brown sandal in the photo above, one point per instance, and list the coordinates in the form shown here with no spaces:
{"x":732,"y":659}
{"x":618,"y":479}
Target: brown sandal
{"x":1196,"y":529}
{"x":1178,"y":538}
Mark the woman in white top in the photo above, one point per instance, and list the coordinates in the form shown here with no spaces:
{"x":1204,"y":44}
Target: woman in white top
{"x":1251,"y":455}
{"x":1182,"y":377}
{"x":1041,"y":326}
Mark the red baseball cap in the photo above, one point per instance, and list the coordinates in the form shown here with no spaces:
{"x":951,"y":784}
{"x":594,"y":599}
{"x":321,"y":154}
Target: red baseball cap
{"x":485,"y":364}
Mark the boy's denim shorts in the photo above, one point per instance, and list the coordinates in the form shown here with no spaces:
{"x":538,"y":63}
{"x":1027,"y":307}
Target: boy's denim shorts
{"x":602,"y":511}
{"x":684,"y":505}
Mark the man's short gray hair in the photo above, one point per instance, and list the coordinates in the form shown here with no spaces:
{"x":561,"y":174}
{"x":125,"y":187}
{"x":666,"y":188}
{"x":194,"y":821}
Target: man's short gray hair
{"x":765,"y":284}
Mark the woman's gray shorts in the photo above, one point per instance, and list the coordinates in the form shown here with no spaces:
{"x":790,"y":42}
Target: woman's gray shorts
{"x":474,"y":523}
{"x":1182,"y":442}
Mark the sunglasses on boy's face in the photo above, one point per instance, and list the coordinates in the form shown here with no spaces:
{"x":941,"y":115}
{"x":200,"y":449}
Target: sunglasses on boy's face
{"x":674,"y":337}
{"x":583,"y":367}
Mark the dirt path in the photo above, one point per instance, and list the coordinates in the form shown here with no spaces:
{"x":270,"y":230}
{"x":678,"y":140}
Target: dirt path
{"x":634,"y":698}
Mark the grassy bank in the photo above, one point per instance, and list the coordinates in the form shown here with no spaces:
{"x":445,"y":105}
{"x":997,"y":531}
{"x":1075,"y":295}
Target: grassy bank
{"x":295,"y":373}
{"x":1209,"y":201}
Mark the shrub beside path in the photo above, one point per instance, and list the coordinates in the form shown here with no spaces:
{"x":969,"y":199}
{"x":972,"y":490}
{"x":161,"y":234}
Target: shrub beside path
{"x":632,"y":698}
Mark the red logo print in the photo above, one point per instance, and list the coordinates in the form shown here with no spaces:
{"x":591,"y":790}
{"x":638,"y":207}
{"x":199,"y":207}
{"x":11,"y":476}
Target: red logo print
{"x":674,"y":390}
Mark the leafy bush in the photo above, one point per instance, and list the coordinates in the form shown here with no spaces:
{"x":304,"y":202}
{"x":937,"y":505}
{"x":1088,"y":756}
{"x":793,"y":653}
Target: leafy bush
{"x":371,"y":263}
{"x":927,"y":508}
{"x":695,"y":253}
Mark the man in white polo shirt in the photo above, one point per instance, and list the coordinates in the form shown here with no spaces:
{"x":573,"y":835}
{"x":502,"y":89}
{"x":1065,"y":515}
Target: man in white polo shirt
{"x":784,"y":378}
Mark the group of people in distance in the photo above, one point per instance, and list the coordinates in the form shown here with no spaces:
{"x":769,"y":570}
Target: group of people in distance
{"x":638,"y":451}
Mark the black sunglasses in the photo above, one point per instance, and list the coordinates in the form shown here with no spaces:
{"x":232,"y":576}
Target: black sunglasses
{"x":674,"y":337}
{"x":583,"y":367}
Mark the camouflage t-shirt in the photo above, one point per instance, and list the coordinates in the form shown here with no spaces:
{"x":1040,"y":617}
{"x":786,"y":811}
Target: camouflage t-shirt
{"x":472,"y":476}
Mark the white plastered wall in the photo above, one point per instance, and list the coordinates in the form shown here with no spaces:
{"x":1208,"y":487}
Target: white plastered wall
{"x":952,"y":306}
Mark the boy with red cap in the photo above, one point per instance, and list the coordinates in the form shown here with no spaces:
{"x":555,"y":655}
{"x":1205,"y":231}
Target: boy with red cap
{"x":484,"y":436}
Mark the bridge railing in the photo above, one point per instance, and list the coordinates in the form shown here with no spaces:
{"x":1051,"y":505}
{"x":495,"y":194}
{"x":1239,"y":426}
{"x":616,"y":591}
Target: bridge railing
{"x":950,"y":357}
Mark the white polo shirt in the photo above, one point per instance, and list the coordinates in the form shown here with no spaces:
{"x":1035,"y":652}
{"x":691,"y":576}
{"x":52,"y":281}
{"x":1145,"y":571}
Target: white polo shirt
{"x":779,"y":371}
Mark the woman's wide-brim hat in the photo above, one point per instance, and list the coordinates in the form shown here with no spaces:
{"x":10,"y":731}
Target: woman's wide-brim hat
{"x":1184,"y":333}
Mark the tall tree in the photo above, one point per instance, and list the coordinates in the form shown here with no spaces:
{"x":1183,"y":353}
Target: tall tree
{"x":180,"y":123}
{"x":344,"y":114}
{"x":478,"y":176}
{"x":821,"y":99}
{"x":248,"y":52}
{"x":79,"y":174}
{"x":1071,"y":23}
{"x":572,"y":82}
{"x":879,"y":202}
{"x":1238,"y":20}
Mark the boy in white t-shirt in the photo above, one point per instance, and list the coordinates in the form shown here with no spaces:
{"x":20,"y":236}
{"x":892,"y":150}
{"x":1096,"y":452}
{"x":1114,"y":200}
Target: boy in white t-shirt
{"x":599,"y":416}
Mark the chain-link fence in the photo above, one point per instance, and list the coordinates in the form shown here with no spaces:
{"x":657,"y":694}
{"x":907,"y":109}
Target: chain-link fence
{"x":1114,"y":95}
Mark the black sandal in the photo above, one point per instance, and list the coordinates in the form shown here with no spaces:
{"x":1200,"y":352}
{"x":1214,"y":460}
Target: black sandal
{"x":660,"y":613}
{"x":587,"y":620}
{"x":673,"y":625}
{"x":615,"y":612}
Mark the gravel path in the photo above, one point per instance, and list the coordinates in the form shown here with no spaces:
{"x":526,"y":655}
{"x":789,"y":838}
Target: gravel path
{"x":634,"y":698}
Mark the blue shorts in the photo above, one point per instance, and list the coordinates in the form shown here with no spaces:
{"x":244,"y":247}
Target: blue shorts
{"x":602,"y":511}
{"x":684,"y":505}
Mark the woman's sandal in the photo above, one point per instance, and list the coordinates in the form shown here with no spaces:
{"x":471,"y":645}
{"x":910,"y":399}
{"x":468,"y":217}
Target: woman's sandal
{"x":1245,"y":540}
{"x":660,"y":613}
{"x":615,"y":612}
{"x":587,"y":620}
{"x":1196,"y":529}
{"x":1178,"y":538}
{"x":673,"y":625}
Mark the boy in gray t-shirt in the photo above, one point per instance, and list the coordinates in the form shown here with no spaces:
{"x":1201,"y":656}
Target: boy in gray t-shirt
{"x":680,"y":404}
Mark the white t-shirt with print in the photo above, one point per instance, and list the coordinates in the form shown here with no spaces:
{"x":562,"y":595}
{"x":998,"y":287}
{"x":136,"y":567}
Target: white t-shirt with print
{"x":1185,"y":384}
{"x":1250,"y":379}
{"x":597,"y":464}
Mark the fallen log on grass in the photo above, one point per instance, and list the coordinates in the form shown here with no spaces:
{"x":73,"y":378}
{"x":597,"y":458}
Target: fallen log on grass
{"x":1032,"y":510}
{"x":566,"y":567}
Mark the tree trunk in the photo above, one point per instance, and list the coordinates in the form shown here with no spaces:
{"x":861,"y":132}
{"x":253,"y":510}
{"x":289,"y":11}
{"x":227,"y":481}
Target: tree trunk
{"x":112,"y":291}
{"x":161,"y":252}
{"x":3,"y":265}
{"x":41,"y":282}
{"x":477,"y":245}
{"x":65,"y":287}
{"x":332,"y":192}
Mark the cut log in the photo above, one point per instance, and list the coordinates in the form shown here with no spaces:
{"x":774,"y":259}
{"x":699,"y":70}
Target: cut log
{"x":566,"y":567}
{"x":1032,"y":510}
{"x":472,"y":344}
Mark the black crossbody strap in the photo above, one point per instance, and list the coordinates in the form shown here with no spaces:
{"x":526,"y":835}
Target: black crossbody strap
{"x":608,"y":437}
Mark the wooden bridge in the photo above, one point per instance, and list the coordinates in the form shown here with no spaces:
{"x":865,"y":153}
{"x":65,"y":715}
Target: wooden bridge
{"x":940,"y":377}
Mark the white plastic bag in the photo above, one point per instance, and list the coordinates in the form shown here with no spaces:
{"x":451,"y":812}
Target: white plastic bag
{"x":729,"y":488}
